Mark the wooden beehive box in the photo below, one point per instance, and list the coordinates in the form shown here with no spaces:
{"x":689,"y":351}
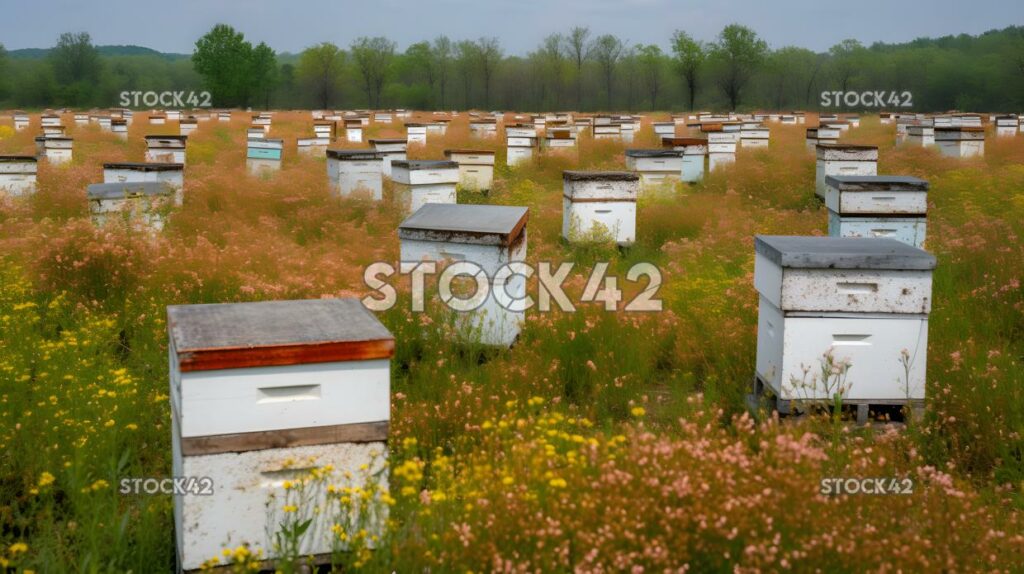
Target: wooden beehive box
{"x":656,"y":167}
{"x":960,"y":141}
{"x":166,"y":148}
{"x":694,"y":151}
{"x":356,"y":171}
{"x":864,"y":300}
{"x":843,"y":159}
{"x":18,"y":174}
{"x":390,"y":150}
{"x":599,"y":205}
{"x":488,"y":236}
{"x":893,"y":207}
{"x":143,"y":202}
{"x":417,"y":183}
{"x":476,"y":167}
{"x":172,"y":174}
{"x":416,"y":133}
{"x":56,"y":149}
{"x":261,"y":393}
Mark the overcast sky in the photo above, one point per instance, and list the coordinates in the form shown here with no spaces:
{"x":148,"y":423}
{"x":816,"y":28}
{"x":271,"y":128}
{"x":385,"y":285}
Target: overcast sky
{"x":290,"y":26}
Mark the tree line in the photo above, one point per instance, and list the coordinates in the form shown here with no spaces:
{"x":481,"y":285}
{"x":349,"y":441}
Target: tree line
{"x":577,"y":70}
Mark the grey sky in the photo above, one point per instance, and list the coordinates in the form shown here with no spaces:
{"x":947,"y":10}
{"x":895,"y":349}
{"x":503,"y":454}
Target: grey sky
{"x":289,"y":26}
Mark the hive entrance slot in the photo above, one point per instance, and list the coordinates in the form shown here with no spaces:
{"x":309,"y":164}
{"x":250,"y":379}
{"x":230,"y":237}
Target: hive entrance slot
{"x":289,"y":393}
{"x":857,"y":287}
{"x":851,"y":340}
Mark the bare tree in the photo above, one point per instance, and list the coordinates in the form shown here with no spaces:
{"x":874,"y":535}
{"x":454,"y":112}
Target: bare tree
{"x":465,"y":62}
{"x":607,"y":51}
{"x":442,"y":49}
{"x":489,"y":55}
{"x":651,"y":59}
{"x":552,"y":56}
{"x":373,"y":57}
{"x":578,"y":46}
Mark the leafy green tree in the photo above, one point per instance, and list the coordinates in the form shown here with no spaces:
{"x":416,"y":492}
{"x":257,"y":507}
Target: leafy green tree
{"x":651,"y":61}
{"x":578,"y":46}
{"x":442,"y":51}
{"x":76,"y":67}
{"x":264,"y":72}
{"x":222,"y":57}
{"x":419,"y":59}
{"x":848,"y":61}
{"x":465,"y":62}
{"x":739,"y":52}
{"x":373,"y":58}
{"x":607,"y":51}
{"x":690,"y":58}
{"x":3,"y":72}
{"x":319,"y":72}
{"x":488,"y":54}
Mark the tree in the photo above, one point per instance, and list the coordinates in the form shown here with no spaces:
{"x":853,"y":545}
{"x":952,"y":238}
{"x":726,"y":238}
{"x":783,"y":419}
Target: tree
{"x":3,"y":72}
{"x":419,"y":57}
{"x":373,"y":57}
{"x":465,"y":62}
{"x":847,"y":61}
{"x":488,"y":53}
{"x":222,"y":57}
{"x":607,"y":50}
{"x":739,"y":52}
{"x":788,"y":70}
{"x":650,"y":58}
{"x":76,"y":67}
{"x":578,"y":47}
{"x":319,"y":72}
{"x":690,"y":57}
{"x":551,"y":58}
{"x":442,"y":50}
{"x":263,"y":72}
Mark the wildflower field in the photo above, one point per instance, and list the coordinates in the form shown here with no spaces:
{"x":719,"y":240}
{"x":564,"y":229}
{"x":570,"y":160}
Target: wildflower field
{"x":601,"y":442}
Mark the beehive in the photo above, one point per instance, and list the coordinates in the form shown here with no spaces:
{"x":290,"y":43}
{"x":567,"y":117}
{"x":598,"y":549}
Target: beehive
{"x":664,"y":129}
{"x":21,"y":121}
{"x":694,"y":151}
{"x":721,"y":148}
{"x":263,"y":155}
{"x":54,"y":131}
{"x":325,"y":130}
{"x":416,"y":134}
{"x":754,"y":136}
{"x":821,"y":135}
{"x":1006,"y":126}
{"x":599,"y":205}
{"x":484,"y":128}
{"x":224,"y":116}
{"x":157,"y":119}
{"x":606,"y":131}
{"x":961,"y":141}
{"x":420,"y":182}
{"x":887,"y":206}
{"x":187,"y":125}
{"x":476,"y":167}
{"x":18,"y":174}
{"x":262,"y":393}
{"x":119,"y":128}
{"x":383,"y":117}
{"x":390,"y":150}
{"x":864,"y":300}
{"x":520,"y":141}
{"x":354,"y":130}
{"x":255,"y":133}
{"x":173,"y":115}
{"x":920,"y":135}
{"x":49,"y":120}
{"x":172,"y":174}
{"x":166,"y":148}
{"x":489,"y":236}
{"x":56,"y":149}
{"x":845,"y":159}
{"x":144,"y":202}
{"x":356,"y":171}
{"x":81,"y":119}
{"x":656,"y":167}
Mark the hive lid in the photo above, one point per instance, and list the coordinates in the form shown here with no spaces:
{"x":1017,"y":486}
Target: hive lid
{"x":166,"y":137}
{"x":17,"y":158}
{"x":416,"y":165}
{"x":680,"y":142}
{"x":653,"y":153}
{"x":354,"y":154}
{"x":461,"y":223}
{"x":388,"y":141}
{"x":599,"y":176}
{"x":142,"y":166}
{"x":121,"y":190}
{"x":450,"y":152}
{"x":876,"y":183}
{"x":239,"y":335}
{"x":806,"y":252}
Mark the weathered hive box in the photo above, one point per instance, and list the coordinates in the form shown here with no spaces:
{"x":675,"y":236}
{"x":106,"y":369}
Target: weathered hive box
{"x":166,"y":149}
{"x":144,"y":202}
{"x":694,"y":151}
{"x":438,"y":126}
{"x":263,"y":155}
{"x":754,"y":136}
{"x":383,"y":117}
{"x":843,"y":159}
{"x":520,"y":131}
{"x":607,"y":131}
{"x":476,"y":167}
{"x":187,"y":125}
{"x":967,"y":120}
{"x":172,"y":174}
{"x":489,"y":236}
{"x":560,"y":139}
{"x":81,"y":119}
{"x":598,"y":205}
{"x":262,"y":121}
{"x":893,"y":207}
{"x":519,"y":149}
{"x":119,"y":128}
{"x":865,"y":300}
{"x":656,"y":167}
{"x":224,"y":116}
{"x":1006,"y":126}
{"x":18,"y":174}
{"x":920,"y":135}
{"x":854,"y":121}
{"x":416,"y":134}
{"x":56,"y":149}
{"x":787,"y":119}
{"x":325,"y":129}
{"x":841,"y":125}
{"x":627,"y":132}
{"x":354,"y":130}
{"x":822,"y":118}
{"x":721,"y":148}
{"x":54,"y":131}
{"x":421,"y":182}
{"x":356,"y":171}
{"x":262,"y":394}
{"x":21,"y":121}
{"x":316,"y":146}
{"x":390,"y":150}
{"x":961,"y":141}
{"x":885,"y":118}
{"x":255,"y":133}
{"x":157,"y":119}
{"x":48,"y":121}
{"x":484,"y":128}
{"x":173,"y":115}
{"x":801,"y":117}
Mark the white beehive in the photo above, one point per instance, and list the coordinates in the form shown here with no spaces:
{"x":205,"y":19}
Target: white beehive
{"x":54,"y":131}
{"x":483,"y":128}
{"x":262,"y":120}
{"x":49,"y":120}
{"x":119,"y":128}
{"x":664,"y":129}
{"x":1006,"y":126}
{"x":353,"y":171}
{"x":18,"y":174}
{"x":390,"y":150}
{"x":656,"y":167}
{"x":787,"y":119}
{"x":354,"y":130}
{"x":721,"y":148}
{"x":694,"y":151}
{"x":165,"y":148}
{"x":224,"y":116}
{"x":81,"y":119}
{"x":520,"y":141}
{"x":382,"y":117}
{"x":172,"y":174}
{"x":599,"y":204}
{"x":315,"y":146}
{"x":865,"y":300}
{"x":489,"y":236}
{"x":173,"y":115}
{"x":754,"y":136}
{"x":21,"y":121}
{"x":821,"y":135}
{"x":187,"y":125}
{"x":157,"y":119}
{"x":627,"y":131}
{"x":416,"y":134}
{"x":255,"y":133}
{"x":607,"y":131}
{"x":262,"y":393}
{"x":56,"y":149}
{"x":263,"y":155}
{"x":417,"y":183}
{"x":889,"y":206}
{"x":476,"y":167}
{"x":920,"y":135}
{"x":885,"y":118}
{"x":843,"y":159}
{"x":961,"y":141}
{"x":325,"y":129}
{"x":143,"y":202}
